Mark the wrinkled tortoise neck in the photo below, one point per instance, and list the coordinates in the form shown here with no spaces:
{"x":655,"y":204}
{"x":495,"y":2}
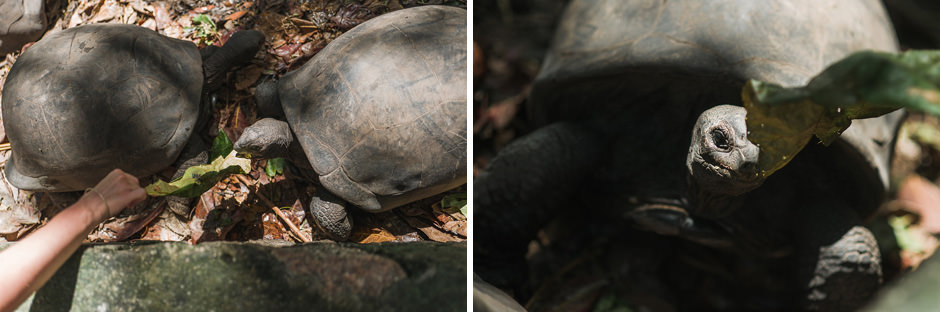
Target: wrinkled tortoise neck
{"x":710,"y":205}
{"x":269,"y":104}
{"x":239,"y":49}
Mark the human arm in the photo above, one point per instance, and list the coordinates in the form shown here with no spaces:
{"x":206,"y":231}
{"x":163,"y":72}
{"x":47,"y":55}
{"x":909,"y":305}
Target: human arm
{"x":29,"y":263}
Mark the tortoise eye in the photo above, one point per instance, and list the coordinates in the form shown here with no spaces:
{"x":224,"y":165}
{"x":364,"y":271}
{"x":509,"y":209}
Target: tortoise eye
{"x":720,"y":139}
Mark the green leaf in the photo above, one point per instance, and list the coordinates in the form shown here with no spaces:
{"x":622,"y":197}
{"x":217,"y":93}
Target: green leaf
{"x":609,"y":302}
{"x":863,"y":85}
{"x":906,"y":240}
{"x":274,"y":167}
{"x":456,"y":201}
{"x":923,"y":133}
{"x":203,"y":27}
{"x":203,"y":19}
{"x":198,"y":179}
{"x":221,"y":146}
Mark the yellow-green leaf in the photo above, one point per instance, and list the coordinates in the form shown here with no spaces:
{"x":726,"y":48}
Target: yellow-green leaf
{"x":221,"y":145}
{"x":863,"y":85}
{"x":198,"y":179}
{"x":275,"y":166}
{"x":456,"y":201}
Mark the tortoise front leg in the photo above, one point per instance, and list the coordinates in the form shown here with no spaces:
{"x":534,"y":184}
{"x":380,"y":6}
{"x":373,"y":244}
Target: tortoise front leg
{"x":195,"y":153}
{"x":521,"y":190}
{"x":839,"y":264}
{"x":330,"y":214}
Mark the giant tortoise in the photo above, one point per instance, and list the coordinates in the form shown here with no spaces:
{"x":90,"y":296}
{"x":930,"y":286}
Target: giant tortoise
{"x":88,"y":99}
{"x":380,"y":114}
{"x":638,"y":109}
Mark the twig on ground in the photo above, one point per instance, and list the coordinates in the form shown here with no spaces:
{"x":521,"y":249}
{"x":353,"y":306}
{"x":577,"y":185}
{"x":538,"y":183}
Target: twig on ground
{"x":290,"y":225}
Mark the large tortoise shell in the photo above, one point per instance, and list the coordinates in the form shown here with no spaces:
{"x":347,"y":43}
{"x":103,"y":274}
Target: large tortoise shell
{"x":612,"y":56}
{"x":381,"y":111}
{"x":85,"y":100}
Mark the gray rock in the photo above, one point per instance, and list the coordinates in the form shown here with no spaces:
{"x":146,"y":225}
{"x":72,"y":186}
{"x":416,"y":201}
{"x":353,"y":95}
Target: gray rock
{"x":915,"y":291}
{"x":228,"y":276}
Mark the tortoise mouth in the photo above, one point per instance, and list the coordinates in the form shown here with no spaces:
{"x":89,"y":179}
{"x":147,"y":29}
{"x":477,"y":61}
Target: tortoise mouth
{"x":724,"y":180}
{"x":248,"y":152}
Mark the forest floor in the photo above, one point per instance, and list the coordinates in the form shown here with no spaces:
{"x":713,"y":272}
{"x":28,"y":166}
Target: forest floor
{"x":255,"y":205}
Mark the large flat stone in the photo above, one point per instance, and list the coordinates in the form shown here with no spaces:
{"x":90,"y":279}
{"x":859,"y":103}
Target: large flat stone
{"x":228,"y":276}
{"x":914,"y":291}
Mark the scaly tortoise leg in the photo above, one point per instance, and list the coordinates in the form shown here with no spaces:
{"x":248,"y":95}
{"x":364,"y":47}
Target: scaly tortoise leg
{"x":839,"y":261}
{"x":522,"y":189}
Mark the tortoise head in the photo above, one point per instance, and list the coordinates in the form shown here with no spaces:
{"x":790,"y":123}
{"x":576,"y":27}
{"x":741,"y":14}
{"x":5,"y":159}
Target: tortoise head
{"x":240,"y":48}
{"x":721,"y":160}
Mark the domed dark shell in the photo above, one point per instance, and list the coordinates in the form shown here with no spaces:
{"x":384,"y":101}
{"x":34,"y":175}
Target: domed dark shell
{"x":381,"y":111}
{"x":86,"y":100}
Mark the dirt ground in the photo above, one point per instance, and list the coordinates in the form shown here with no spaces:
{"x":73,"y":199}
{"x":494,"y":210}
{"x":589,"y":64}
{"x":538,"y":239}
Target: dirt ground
{"x":611,"y":269}
{"x":253,"y":205}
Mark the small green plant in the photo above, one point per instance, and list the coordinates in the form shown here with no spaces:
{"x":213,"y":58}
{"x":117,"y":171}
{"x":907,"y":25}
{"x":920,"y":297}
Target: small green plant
{"x":455,"y":201}
{"x":274,"y":167}
{"x":203,"y":28}
{"x":221,"y":146}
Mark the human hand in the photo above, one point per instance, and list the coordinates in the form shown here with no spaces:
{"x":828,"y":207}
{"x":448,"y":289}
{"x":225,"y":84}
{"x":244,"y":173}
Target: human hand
{"x":119,"y":189}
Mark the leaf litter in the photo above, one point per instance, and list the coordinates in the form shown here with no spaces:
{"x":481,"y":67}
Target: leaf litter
{"x":268,"y":201}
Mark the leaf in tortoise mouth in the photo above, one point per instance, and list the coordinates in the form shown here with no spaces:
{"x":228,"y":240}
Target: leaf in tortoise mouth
{"x":780,"y":121}
{"x":198,"y":179}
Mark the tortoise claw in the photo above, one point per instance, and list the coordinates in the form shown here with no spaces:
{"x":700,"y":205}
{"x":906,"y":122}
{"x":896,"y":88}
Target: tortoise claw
{"x":847,"y":272}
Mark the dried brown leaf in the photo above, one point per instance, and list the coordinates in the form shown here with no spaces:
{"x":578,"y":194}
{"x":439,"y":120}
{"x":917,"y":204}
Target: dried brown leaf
{"x":16,"y":214}
{"x":201,"y":212}
{"x":431,"y":231}
{"x":141,"y":8}
{"x":203,"y":9}
{"x":108,"y":11}
{"x":373,"y":235}
{"x":148,"y":23}
{"x":246,"y":77}
{"x":123,"y":226}
{"x":129,"y":16}
{"x":273,"y":228}
{"x":236,"y":15}
{"x":168,"y":227}
{"x":161,"y":16}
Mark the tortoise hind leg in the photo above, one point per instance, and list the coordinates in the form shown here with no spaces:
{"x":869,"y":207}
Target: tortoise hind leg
{"x":521,"y":190}
{"x":839,"y":262}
